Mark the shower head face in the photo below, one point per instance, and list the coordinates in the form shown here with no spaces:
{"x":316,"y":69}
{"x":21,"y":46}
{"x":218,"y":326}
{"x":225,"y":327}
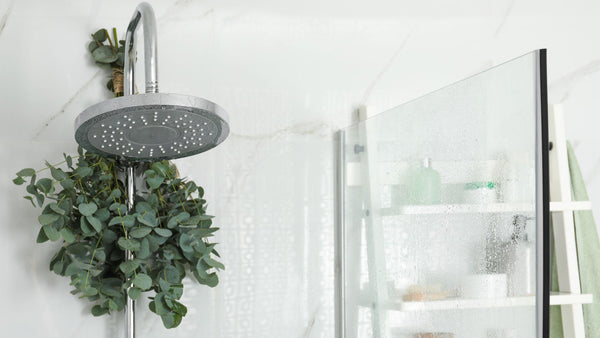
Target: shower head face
{"x":151,"y":127}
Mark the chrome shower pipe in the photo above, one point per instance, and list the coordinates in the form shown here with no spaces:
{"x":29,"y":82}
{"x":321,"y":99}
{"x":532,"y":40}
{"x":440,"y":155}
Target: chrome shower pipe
{"x":145,"y":13}
{"x":130,"y":308}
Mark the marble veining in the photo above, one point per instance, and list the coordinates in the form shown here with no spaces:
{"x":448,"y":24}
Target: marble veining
{"x":567,"y":82}
{"x":4,"y":18}
{"x":66,"y":105}
{"x":386,"y":67}
{"x":504,"y":17}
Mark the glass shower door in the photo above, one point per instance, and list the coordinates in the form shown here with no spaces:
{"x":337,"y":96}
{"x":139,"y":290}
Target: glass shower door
{"x":442,"y":212}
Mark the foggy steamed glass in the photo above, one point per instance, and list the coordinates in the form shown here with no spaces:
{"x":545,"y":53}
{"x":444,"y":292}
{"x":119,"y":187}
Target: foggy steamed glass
{"x":440,"y":212}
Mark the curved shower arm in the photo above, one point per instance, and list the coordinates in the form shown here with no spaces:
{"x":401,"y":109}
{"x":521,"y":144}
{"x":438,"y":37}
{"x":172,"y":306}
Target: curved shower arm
{"x":144,"y":12}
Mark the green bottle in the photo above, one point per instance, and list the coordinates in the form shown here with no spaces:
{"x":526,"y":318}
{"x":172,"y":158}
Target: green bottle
{"x":424,"y":185}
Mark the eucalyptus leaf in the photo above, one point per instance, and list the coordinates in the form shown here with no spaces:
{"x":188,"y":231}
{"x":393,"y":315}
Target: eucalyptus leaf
{"x":85,"y":227}
{"x":134,"y":293}
{"x":100,"y":35}
{"x":56,"y":208}
{"x":194,"y":220}
{"x":129,"y":266}
{"x":19,"y":180}
{"x":45,"y":185}
{"x":173,"y":221}
{"x":201,"y":268}
{"x":109,"y":291}
{"x":186,"y":242}
{"x":41,"y":237}
{"x":148,"y":219}
{"x":69,"y":160}
{"x":98,"y":310}
{"x":120,"y":58}
{"x":140,"y":232}
{"x":102,"y":214}
{"x":142,"y":281}
{"x":30,"y":199}
{"x":92,"y":46}
{"x":84,"y":171}
{"x":161,"y":168}
{"x":90,"y":291}
{"x":128,"y":244}
{"x":212,"y":280}
{"x":58,"y":174}
{"x":155,"y":182}
{"x":163,"y":232}
{"x":67,"y":184}
{"x":72,"y":269}
{"x":46,"y":219}
{"x":171,"y":320}
{"x":172,"y":274}
{"x":158,"y":304}
{"x":214,"y":263}
{"x":176,"y":291}
{"x":100,"y":255}
{"x":95,"y":223}
{"x":115,"y":194}
{"x":144,"y":251}
{"x":26,"y":172}
{"x":143,"y":208}
{"x":87,"y":209}
{"x":118,"y":208}
{"x":178,"y":308}
{"x":40,"y":199}
{"x":67,"y":235}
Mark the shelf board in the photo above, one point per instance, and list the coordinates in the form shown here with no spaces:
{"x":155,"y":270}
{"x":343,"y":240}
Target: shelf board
{"x":570,"y":206}
{"x":481,"y":208}
{"x":556,"y":298}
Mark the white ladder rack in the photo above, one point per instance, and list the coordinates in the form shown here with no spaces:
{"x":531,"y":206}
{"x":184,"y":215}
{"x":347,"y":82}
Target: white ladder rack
{"x":563,"y":225}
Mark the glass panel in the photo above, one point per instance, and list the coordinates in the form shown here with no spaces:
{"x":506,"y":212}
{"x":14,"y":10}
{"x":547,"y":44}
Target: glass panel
{"x":440,"y":214}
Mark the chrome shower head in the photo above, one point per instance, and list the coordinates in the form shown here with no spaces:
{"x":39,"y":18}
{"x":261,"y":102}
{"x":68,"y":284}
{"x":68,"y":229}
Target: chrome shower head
{"x":151,"y":126}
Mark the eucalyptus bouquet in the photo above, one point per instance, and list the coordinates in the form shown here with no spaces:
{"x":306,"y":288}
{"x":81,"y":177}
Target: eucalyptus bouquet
{"x":84,"y":207}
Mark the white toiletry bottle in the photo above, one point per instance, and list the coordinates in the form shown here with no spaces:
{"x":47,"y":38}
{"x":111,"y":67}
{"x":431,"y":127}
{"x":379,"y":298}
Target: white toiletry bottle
{"x":521,"y":277}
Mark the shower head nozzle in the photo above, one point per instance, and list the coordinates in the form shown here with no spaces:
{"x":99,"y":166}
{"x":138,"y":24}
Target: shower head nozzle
{"x":151,"y":126}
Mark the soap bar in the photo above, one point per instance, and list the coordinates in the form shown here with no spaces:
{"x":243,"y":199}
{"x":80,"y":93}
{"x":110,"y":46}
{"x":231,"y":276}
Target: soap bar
{"x":433,"y":335}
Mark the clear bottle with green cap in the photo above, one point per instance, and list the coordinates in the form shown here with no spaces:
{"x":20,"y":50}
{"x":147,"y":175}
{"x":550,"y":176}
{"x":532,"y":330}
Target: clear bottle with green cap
{"x":424,"y":185}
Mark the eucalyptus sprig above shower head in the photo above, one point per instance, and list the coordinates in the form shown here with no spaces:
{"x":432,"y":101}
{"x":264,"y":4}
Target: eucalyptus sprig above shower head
{"x":111,"y":56}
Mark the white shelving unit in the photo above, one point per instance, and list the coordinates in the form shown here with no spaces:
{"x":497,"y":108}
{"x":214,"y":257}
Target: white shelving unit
{"x":556,"y":298}
{"x":481,"y":208}
{"x":569,"y":298}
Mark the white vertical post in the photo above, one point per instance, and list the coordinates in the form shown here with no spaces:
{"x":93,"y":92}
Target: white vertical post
{"x":340,"y":238}
{"x":563,"y":225}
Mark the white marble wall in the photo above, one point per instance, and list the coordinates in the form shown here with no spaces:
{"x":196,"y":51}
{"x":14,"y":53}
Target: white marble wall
{"x":290,"y":74}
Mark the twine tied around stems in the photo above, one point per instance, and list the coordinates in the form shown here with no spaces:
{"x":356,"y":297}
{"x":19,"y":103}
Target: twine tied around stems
{"x":118,"y":88}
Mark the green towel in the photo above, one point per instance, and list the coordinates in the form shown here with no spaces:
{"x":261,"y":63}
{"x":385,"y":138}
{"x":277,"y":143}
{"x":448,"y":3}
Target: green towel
{"x":588,"y":254}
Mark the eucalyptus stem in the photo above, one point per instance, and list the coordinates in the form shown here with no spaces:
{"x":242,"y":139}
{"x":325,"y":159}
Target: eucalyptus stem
{"x":109,"y":41}
{"x":92,"y":259}
{"x":114,"y":30}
